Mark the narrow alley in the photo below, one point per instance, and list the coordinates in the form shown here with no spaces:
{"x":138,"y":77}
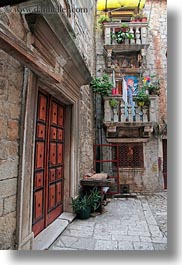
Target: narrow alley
{"x":127,"y":224}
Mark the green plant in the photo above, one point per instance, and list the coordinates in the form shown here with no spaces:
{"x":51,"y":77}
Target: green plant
{"x":103,"y":19}
{"x":80,"y":203}
{"x":142,"y":98}
{"x":124,"y":25}
{"x":121,"y":36}
{"x":113,"y":103}
{"x":137,"y":16}
{"x":101,"y":85}
{"x":151,"y":84}
{"x":94,"y":198}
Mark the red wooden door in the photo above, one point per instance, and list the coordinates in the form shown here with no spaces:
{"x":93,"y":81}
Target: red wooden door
{"x":48,"y":172}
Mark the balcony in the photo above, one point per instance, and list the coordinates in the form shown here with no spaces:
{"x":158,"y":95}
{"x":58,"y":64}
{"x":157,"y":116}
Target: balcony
{"x":139,"y":31}
{"x":124,"y":117}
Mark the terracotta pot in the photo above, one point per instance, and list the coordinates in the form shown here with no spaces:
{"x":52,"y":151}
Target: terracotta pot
{"x":144,"y":19}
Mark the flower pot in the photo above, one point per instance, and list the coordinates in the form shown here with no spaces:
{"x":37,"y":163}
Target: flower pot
{"x":144,"y":19}
{"x":125,"y":29}
{"x":84,"y":213}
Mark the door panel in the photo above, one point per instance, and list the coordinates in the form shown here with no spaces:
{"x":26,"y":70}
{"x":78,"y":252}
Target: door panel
{"x":59,"y":173}
{"x":53,"y":133}
{"x":52,"y":196}
{"x":54,"y":113}
{"x":58,"y":193}
{"x":41,"y":131}
{"x":60,"y":153}
{"x":52,"y":175}
{"x":42,"y":107}
{"x":48,"y":174}
{"x":53,"y":154}
{"x":39,"y":180}
{"x":38,"y":204}
{"x":60,"y":135}
{"x":39,"y":155}
{"x":60,"y":116}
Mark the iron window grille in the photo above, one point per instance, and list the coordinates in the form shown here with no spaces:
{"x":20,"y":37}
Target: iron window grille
{"x":131,"y":155}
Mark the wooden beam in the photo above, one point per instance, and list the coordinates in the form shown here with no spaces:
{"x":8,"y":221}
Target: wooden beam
{"x":18,"y":49}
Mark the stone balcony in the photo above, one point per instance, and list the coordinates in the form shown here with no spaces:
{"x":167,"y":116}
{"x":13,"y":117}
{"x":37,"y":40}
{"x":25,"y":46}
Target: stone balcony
{"x":138,"y":29}
{"x":125,"y":119}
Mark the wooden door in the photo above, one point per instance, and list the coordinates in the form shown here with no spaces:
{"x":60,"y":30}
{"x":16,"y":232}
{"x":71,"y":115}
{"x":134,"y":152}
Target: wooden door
{"x":164,"y":144}
{"x":48,"y":172}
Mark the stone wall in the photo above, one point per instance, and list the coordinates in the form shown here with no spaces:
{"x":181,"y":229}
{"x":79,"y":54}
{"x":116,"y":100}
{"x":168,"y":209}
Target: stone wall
{"x":156,"y":54}
{"x":84,"y":27}
{"x":86,"y":130}
{"x":11,"y":79}
{"x":11,"y":85}
{"x":148,"y":179}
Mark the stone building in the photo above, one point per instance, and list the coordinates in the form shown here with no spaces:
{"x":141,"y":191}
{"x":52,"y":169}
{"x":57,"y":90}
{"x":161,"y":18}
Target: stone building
{"x":47,"y":59}
{"x":50,"y":119}
{"x":132,"y":140}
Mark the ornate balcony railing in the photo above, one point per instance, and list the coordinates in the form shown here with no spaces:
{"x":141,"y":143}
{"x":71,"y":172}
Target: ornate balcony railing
{"x":137,"y":29}
{"x":125,"y":113}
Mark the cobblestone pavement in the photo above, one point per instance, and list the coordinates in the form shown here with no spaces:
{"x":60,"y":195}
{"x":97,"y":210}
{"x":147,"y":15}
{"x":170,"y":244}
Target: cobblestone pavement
{"x":128,"y":224}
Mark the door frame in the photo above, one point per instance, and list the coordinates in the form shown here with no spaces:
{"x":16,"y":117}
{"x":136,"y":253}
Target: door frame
{"x":24,"y":234}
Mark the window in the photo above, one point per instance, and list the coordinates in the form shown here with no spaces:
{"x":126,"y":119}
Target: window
{"x":131,"y":155}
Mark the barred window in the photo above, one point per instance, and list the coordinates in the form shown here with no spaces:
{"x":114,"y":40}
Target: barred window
{"x":131,"y":155}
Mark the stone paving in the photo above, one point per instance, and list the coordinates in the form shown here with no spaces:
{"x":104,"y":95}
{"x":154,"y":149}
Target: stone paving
{"x":128,"y":224}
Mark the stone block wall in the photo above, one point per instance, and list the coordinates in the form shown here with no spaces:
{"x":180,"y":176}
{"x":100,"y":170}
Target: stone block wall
{"x":148,"y":179}
{"x":84,"y":28}
{"x":86,"y":130}
{"x":156,"y":54}
{"x":11,"y":78}
{"x":11,"y":81}
{"x":11,"y":85}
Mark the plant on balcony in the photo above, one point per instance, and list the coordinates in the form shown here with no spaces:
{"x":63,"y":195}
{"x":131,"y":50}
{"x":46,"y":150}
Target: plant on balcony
{"x":144,"y":17}
{"x":139,"y":17}
{"x":124,"y":27}
{"x":142,"y":98}
{"x":136,"y":17}
{"x":101,"y":85}
{"x":121,"y":36}
{"x":151,"y":85}
{"x":113,"y":103}
{"x":102,"y":19}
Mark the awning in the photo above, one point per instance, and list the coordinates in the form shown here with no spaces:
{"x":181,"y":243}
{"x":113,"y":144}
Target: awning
{"x":112,"y":4}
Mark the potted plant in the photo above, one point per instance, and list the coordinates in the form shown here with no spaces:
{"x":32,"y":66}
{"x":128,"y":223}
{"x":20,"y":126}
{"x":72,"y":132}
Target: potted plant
{"x":81,"y":207}
{"x":136,"y":17}
{"x":113,"y":103}
{"x":102,"y":19}
{"x":144,"y":17}
{"x":121,"y":36}
{"x":151,"y":85}
{"x":101,"y":85}
{"x":125,"y":27}
{"x":94,"y":199}
{"x":142,"y":98}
